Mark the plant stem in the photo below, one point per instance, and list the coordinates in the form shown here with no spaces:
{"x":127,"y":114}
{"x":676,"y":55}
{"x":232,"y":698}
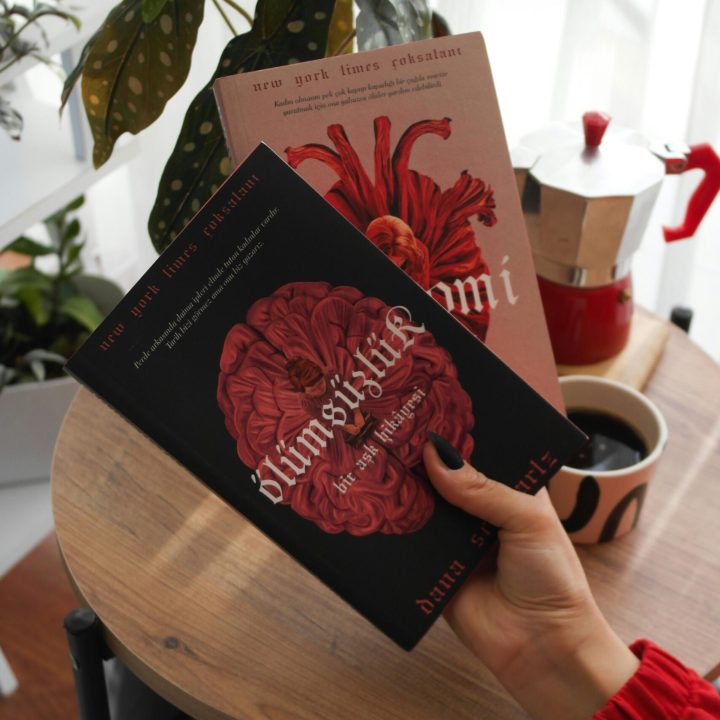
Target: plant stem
{"x":60,"y":248}
{"x":241,"y":10}
{"x":345,"y":43}
{"x":225,"y":17}
{"x":17,"y":58}
{"x":14,"y":36}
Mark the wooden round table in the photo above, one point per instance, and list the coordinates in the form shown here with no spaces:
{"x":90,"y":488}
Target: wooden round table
{"x":222,"y":623}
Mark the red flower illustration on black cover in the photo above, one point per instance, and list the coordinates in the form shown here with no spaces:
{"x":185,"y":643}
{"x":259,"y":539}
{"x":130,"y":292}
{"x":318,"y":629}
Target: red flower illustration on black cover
{"x":281,"y":370}
{"x":423,"y":229}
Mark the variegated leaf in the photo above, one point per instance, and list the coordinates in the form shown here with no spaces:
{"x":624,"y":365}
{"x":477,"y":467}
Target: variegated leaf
{"x":284,"y":31}
{"x":439,"y":25}
{"x":133,"y":68}
{"x":74,"y":75}
{"x":389,"y":22}
{"x":151,"y":9}
{"x":341,"y":27}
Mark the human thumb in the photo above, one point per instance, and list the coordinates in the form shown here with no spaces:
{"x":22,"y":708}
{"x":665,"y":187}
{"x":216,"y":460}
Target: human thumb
{"x":462,"y":485}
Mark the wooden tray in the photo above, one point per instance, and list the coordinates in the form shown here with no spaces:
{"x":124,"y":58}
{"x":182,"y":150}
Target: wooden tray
{"x":635,"y":364}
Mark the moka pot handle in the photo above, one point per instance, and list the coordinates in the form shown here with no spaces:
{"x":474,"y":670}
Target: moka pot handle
{"x":701,"y":157}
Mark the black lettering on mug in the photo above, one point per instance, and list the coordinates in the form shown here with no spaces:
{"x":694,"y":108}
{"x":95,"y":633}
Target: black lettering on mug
{"x":586,"y":502}
{"x":613,"y":521}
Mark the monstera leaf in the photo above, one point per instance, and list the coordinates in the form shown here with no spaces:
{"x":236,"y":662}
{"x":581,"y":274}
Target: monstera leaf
{"x":131,"y":68}
{"x":388,"y":22}
{"x":284,"y":31}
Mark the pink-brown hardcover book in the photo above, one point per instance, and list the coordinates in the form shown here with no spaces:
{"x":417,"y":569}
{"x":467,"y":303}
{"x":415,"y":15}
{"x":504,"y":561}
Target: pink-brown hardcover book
{"x":407,"y":143}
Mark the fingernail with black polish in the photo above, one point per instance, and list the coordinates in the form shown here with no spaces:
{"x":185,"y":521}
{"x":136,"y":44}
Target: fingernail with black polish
{"x":448,"y":454}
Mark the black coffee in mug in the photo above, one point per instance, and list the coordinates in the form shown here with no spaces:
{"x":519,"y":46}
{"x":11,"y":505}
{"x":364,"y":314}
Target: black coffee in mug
{"x":612,"y":443}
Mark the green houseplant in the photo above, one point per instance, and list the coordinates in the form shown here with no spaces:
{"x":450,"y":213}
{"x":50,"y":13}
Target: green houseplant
{"x":15,"y":21}
{"x":140,"y":57}
{"x":45,"y":314}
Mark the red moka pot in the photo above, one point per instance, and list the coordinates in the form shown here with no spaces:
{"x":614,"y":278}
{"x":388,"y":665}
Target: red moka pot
{"x":587,"y":200}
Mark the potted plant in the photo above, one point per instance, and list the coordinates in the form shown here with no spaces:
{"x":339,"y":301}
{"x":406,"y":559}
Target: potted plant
{"x":121,"y":96}
{"x":45,"y":315}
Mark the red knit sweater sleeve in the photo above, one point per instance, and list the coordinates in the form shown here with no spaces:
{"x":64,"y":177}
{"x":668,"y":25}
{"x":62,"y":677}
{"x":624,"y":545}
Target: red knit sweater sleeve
{"x":662,"y":689}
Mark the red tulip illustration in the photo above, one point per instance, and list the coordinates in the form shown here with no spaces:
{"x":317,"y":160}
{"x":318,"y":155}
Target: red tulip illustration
{"x":326,"y":434}
{"x":423,"y":229}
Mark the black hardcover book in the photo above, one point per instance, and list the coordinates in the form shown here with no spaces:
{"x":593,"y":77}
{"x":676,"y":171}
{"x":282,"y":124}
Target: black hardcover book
{"x":295,"y":370}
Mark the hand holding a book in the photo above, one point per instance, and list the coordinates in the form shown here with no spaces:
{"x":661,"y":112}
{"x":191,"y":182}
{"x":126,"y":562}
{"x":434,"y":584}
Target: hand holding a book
{"x":530,"y":617}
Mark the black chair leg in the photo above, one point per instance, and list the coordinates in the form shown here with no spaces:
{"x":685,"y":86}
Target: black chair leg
{"x":682,"y":317}
{"x":87,"y":652}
